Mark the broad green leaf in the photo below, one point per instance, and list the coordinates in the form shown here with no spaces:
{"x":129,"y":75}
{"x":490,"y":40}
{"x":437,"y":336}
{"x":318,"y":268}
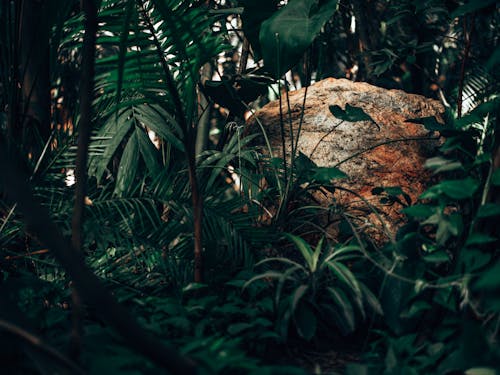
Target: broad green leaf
{"x":128,"y":166}
{"x":455,"y":189}
{"x":326,"y":174}
{"x":488,"y":210}
{"x":290,"y":31}
{"x":489,"y":279}
{"x":474,"y":259}
{"x":350,"y":114}
{"x":430,"y":123}
{"x":255,"y":12}
{"x":479,"y":239}
{"x":495,"y":177}
{"x":437,"y":257}
{"x":420,"y":211}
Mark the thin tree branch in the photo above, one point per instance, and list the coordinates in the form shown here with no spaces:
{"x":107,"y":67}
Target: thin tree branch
{"x":84,"y":129}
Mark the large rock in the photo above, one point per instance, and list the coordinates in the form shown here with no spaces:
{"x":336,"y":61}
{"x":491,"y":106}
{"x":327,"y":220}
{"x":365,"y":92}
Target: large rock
{"x":329,"y":141}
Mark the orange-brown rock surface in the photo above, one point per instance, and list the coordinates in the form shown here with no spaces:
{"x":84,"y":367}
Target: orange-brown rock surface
{"x":329,"y":141}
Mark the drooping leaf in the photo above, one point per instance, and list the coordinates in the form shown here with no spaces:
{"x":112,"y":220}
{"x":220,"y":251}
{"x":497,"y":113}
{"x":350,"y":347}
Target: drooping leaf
{"x":128,"y":166}
{"x":255,"y":12}
{"x":305,"y":321}
{"x":303,"y":247}
{"x":343,"y":311}
{"x":437,"y":257}
{"x":488,"y":210}
{"x":290,"y":31}
{"x":370,"y":300}
{"x":495,"y":177}
{"x":326,"y":174}
{"x":455,"y":189}
{"x":149,"y":152}
{"x":439,"y":164}
{"x":479,"y":239}
{"x":420,"y":211}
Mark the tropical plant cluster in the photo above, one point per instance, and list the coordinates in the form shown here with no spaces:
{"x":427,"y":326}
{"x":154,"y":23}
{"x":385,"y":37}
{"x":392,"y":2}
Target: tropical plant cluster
{"x":143,"y":231}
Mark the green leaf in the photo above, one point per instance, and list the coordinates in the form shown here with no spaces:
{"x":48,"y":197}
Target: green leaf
{"x":489,"y":279}
{"x":162,"y":123}
{"x":430,"y":123}
{"x":128,"y":166}
{"x":326,"y":174}
{"x":370,"y":300}
{"x":194,"y":286}
{"x":345,"y":275}
{"x":297,"y":296}
{"x":290,"y":31}
{"x":437,"y":257}
{"x":455,"y":189}
{"x":439,"y":164}
{"x":495,"y":177}
{"x":350,"y":114}
{"x":116,"y":129}
{"x":255,"y":12}
{"x":304,"y":249}
{"x":305,"y":321}
{"x":344,"y":313}
{"x":149,"y":152}
{"x":480,"y":371}
{"x":488,"y":210}
{"x":420,"y":211}
{"x":479,"y":239}
{"x":235,"y":329}
{"x":317,"y":253}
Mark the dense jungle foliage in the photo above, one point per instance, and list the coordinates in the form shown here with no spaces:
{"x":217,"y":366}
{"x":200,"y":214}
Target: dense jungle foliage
{"x":143,"y":232}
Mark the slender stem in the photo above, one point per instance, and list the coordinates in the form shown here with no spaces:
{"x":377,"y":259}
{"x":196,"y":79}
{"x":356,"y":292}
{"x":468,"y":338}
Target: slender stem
{"x":245,"y":50}
{"x":84,"y":130}
{"x":189,"y":144}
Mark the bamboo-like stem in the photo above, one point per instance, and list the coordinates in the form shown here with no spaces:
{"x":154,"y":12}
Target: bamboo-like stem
{"x":84,"y":130}
{"x":189,"y":139}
